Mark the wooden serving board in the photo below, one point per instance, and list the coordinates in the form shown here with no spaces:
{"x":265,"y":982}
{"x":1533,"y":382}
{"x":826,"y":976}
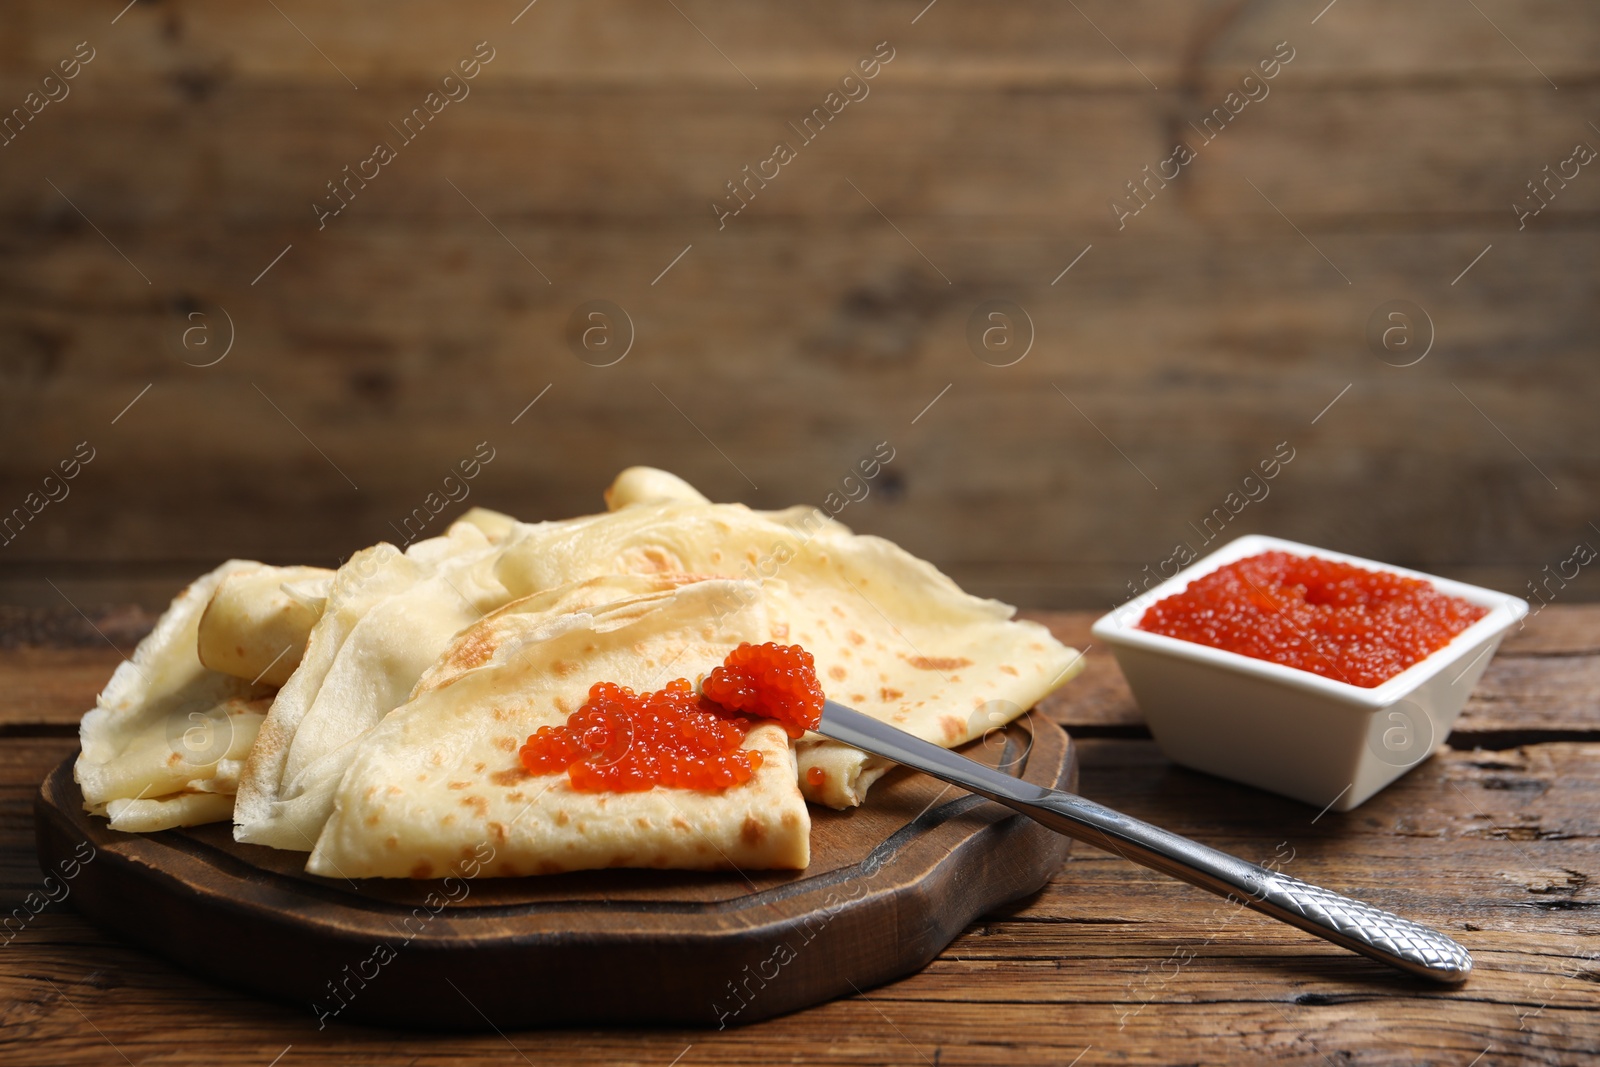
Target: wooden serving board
{"x":889,"y":886}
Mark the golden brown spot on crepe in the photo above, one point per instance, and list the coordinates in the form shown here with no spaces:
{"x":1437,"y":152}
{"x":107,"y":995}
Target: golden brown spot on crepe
{"x":563,"y":706}
{"x":174,"y":759}
{"x":562,"y":818}
{"x":506,"y":744}
{"x":563,"y":667}
{"x":837,"y":610}
{"x":500,"y":714}
{"x":836,"y":672}
{"x":474,"y":650}
{"x":516,"y":796}
{"x":1006,"y":668}
{"x":458,"y":785}
{"x":449,"y":819}
{"x":393,"y":791}
{"x":372,"y":820}
{"x":643,"y":823}
{"x":753,"y":832}
{"x":780,"y":630}
{"x":886,"y":694}
{"x":855,"y":638}
{"x":952,"y":727}
{"x":477,"y":768}
{"x":680,"y":823}
{"x":423,"y":869}
{"x":468,"y":852}
{"x":422,"y":777}
{"x":477,"y":804}
{"x":391,"y":842}
{"x":657,"y":559}
{"x":790,"y":820}
{"x":371,"y":789}
{"x":938,"y":663}
{"x":509,"y":777}
{"x":858,"y":698}
{"x":499,"y":831}
{"x":1036,"y":646}
{"x":437,"y":759}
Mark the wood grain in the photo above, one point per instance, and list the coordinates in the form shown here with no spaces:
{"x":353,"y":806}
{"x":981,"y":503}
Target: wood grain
{"x":1498,"y":848}
{"x":1110,"y":955}
{"x":1216,"y":324}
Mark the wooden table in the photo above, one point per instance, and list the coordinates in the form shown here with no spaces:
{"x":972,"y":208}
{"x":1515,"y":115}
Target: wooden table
{"x":1493,"y":840}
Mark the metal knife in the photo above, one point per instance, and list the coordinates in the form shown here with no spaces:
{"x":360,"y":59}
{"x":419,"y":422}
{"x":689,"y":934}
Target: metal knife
{"x":1360,"y":927}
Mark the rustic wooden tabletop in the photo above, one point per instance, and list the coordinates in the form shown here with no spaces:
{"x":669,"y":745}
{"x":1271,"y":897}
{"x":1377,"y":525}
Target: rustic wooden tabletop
{"x":1493,"y":841}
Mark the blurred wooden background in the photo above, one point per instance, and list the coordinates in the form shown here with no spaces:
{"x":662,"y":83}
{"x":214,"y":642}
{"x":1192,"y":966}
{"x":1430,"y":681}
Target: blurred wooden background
{"x":1172,"y":357}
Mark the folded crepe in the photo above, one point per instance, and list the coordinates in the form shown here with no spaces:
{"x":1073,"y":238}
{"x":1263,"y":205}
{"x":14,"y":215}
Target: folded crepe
{"x":440,"y":777}
{"x":167,"y":741}
{"x":164,"y":743}
{"x":257,"y":621}
{"x":387,"y":616}
{"x":410,"y":679}
{"x":892,"y":636}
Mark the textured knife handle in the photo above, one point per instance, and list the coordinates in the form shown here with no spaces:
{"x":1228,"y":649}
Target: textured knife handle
{"x":1360,"y":927}
{"x":1364,"y":928}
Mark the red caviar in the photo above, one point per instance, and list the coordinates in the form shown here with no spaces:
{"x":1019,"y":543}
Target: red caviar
{"x":1334,"y":619}
{"x":817,"y":777}
{"x":622,"y":741}
{"x":771,"y":680}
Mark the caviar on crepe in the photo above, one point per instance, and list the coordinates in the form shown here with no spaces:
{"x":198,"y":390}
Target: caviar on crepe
{"x":1340,"y":621}
{"x":771,"y":680}
{"x":622,"y":741}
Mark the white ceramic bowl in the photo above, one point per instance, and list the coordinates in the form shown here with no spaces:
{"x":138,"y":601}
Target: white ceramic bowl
{"x":1316,"y":739}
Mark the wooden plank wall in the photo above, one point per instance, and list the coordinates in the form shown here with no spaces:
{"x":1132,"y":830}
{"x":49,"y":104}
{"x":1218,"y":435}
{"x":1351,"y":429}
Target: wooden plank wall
{"x":1174,"y":356}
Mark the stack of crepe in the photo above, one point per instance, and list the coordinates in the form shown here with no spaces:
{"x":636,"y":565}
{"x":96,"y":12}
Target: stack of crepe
{"x":372,"y":716}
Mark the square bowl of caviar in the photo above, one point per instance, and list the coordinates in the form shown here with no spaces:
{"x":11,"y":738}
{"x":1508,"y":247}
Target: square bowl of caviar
{"x":1310,"y":673}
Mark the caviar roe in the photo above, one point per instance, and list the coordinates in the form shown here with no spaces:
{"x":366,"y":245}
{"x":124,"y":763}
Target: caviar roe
{"x":771,"y":680}
{"x":1342,"y":622}
{"x":622,"y":741}
{"x":817,"y":777}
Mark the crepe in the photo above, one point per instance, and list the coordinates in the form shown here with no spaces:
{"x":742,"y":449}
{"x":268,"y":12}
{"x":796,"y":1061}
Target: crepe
{"x":650,"y":485}
{"x":892,"y":636}
{"x":388,"y":616}
{"x":440,"y":777}
{"x":164,"y":743}
{"x":495,"y":525}
{"x":256,"y":623}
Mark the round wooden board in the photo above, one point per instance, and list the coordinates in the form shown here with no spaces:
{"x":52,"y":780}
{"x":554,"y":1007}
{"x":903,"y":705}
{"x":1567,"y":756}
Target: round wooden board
{"x":890,"y":885}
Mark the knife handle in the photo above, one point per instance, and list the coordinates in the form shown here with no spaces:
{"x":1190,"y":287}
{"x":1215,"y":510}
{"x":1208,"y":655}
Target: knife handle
{"x":1356,"y":925}
{"x":1371,"y":931}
